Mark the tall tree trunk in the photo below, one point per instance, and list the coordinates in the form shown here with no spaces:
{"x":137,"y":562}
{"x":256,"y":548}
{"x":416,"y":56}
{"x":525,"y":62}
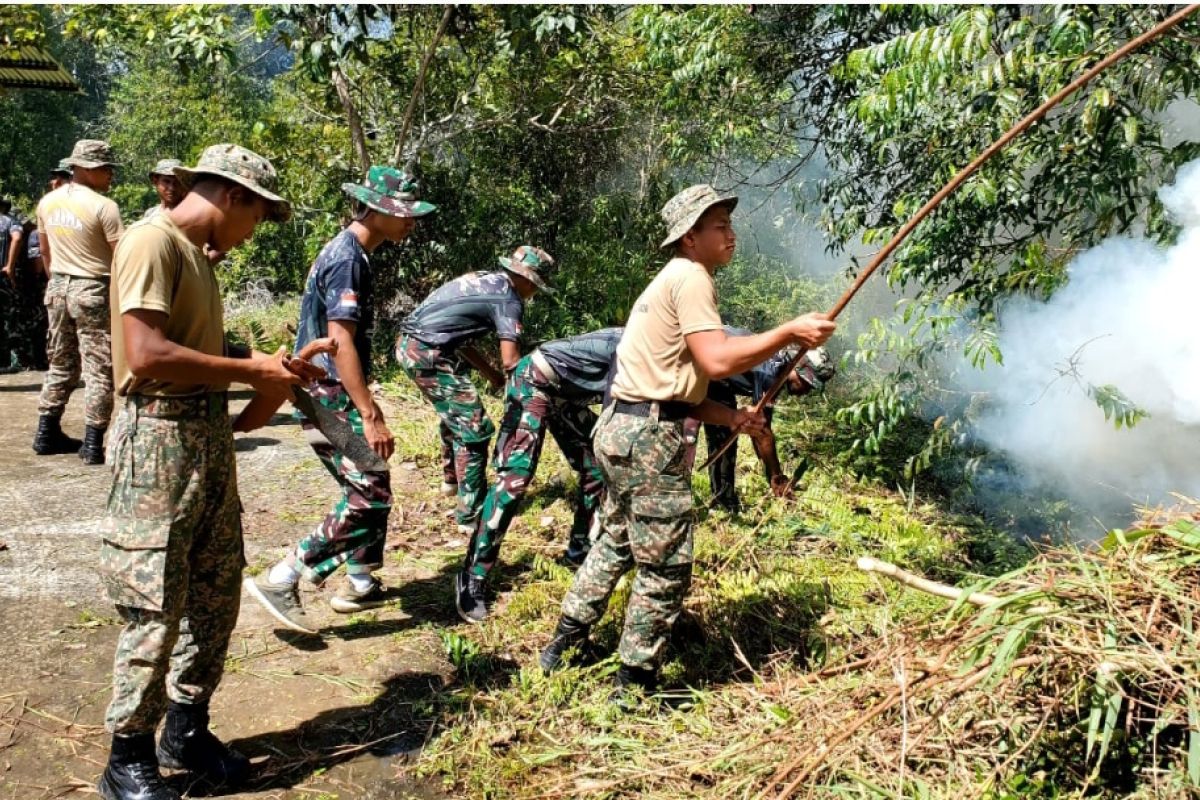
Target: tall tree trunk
{"x":419,"y":86}
{"x":357,"y":138}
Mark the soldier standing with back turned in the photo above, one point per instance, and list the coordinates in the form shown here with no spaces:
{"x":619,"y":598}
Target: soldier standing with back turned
{"x":78,"y":227}
{"x":673,"y":345}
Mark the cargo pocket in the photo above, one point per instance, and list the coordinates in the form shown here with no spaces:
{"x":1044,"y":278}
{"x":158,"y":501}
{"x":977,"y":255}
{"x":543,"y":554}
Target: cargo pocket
{"x":662,"y":448}
{"x":615,"y":437}
{"x":662,"y":527}
{"x":133,"y":561}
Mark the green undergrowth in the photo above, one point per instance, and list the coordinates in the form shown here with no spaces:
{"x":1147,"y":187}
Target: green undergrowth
{"x":775,"y":592}
{"x":264,"y":324}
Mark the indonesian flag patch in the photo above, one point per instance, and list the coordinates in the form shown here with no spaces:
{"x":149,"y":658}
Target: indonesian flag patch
{"x":349,"y":299}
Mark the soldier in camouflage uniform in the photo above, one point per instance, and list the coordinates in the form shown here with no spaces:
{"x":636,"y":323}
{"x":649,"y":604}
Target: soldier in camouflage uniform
{"x":550,"y":389}
{"x":79,"y":228}
{"x":166,"y":185}
{"x":813,"y":371}
{"x":171,"y":556}
{"x":339,"y":302}
{"x":673,"y":345}
{"x":435,"y":345}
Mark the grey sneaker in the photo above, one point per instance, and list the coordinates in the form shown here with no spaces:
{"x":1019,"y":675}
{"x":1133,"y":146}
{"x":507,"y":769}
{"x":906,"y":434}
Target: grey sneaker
{"x":448,"y":489}
{"x":283,"y":603}
{"x":349,"y":600}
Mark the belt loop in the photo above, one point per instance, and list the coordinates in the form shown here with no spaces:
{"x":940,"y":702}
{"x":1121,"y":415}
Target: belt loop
{"x":133,"y":414}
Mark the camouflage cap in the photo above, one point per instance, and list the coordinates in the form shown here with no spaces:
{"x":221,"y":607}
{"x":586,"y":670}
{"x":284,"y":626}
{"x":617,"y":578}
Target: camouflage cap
{"x":166,"y":167}
{"x":62,"y":168}
{"x":389,"y":191}
{"x":684,"y":209}
{"x":243,"y":167}
{"x":529,"y":262}
{"x":91,"y":154}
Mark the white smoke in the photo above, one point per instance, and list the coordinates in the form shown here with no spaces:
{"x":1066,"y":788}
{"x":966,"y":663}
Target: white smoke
{"x":1125,"y":318}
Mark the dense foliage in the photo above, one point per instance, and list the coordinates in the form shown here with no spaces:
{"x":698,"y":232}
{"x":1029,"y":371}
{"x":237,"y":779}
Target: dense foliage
{"x":567,"y":127}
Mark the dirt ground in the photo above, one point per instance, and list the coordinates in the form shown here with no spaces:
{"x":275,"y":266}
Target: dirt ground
{"x":334,"y":717}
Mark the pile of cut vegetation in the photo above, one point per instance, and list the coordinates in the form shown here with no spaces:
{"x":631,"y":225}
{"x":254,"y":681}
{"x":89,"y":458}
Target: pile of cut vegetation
{"x":1074,"y":675}
{"x":1078,"y":673}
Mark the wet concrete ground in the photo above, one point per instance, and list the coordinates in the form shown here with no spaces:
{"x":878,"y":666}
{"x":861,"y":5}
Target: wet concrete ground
{"x":321,"y":718}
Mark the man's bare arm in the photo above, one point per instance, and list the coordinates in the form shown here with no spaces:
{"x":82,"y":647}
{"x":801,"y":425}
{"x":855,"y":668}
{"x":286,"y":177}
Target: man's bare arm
{"x":14,"y":247}
{"x":480,"y":362}
{"x":352,"y":376}
{"x":510,"y":354}
{"x":44,"y":241}
{"x":150,"y":354}
{"x":720,"y":355}
{"x":739,"y":420}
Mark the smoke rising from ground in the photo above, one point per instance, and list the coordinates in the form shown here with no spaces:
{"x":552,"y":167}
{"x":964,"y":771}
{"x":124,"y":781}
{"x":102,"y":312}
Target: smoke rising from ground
{"x":1126,"y":318}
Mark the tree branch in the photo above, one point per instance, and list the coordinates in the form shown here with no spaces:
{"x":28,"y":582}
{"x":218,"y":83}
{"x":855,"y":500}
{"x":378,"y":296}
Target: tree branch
{"x":419,"y":86}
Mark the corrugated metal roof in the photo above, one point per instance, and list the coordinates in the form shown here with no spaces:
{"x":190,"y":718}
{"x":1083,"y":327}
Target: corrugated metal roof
{"x":33,"y":68}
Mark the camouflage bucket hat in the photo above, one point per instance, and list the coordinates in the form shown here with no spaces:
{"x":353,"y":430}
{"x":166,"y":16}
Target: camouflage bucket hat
{"x":389,"y":191}
{"x":166,"y":167}
{"x":91,"y":154}
{"x":529,"y":262}
{"x":63,"y":168}
{"x":684,"y":209}
{"x":243,"y":167}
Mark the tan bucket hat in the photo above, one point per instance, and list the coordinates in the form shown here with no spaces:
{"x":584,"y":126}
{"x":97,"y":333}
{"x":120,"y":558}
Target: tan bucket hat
{"x":166,"y":167}
{"x":91,"y":154}
{"x":244,"y":167}
{"x":684,"y":209}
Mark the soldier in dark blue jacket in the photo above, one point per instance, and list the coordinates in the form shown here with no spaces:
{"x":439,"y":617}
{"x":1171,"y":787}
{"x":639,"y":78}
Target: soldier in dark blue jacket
{"x":812,"y":373}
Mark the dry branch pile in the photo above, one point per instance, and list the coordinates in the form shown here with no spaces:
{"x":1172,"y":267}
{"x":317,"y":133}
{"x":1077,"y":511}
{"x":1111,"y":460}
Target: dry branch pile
{"x":1081,"y":675}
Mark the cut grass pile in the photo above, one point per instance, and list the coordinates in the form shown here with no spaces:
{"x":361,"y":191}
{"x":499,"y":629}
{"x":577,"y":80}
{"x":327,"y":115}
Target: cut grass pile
{"x":793,"y":673}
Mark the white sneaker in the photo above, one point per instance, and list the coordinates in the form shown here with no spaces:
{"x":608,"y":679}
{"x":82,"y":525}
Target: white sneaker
{"x":448,"y":489}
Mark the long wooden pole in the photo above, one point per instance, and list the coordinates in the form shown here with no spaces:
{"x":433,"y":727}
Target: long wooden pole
{"x":957,"y":180}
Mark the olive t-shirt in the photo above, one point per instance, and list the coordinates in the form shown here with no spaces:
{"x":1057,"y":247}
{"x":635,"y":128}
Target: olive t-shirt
{"x":79,"y":224}
{"x":156,"y":268}
{"x":653,"y":361}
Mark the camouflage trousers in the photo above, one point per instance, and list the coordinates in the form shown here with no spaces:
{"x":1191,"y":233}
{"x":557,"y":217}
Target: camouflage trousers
{"x":79,"y":343}
{"x":464,"y":427}
{"x":530,"y":408}
{"x":171,"y":556}
{"x":645,"y":523}
{"x":354,"y":530}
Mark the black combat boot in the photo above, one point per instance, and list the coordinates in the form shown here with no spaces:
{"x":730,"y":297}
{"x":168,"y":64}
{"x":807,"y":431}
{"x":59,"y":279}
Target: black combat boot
{"x":570,"y":634}
{"x":628,"y":680}
{"x":50,"y":439}
{"x":132,"y":771}
{"x":92,"y":450}
{"x":187,"y":743}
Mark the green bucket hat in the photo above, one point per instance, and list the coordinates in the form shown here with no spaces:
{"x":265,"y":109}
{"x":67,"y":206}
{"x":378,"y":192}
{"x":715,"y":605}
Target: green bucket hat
{"x":63,"y":168}
{"x":243,"y":167}
{"x":91,"y":154}
{"x":166,"y":167}
{"x":389,"y":191}
{"x":529,"y":262}
{"x":684,"y":209}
